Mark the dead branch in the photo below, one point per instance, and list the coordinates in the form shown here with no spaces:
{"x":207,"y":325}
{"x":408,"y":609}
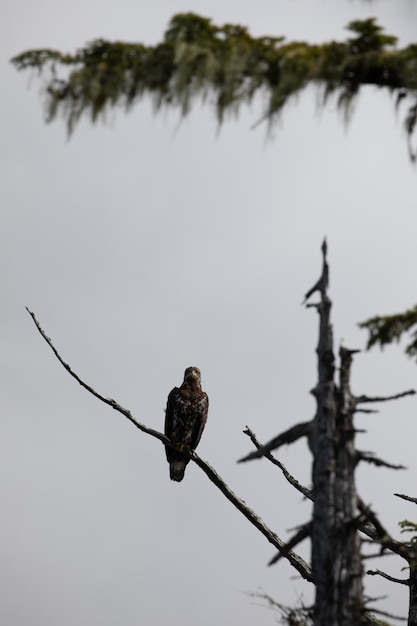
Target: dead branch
{"x":378,"y":572}
{"x":300,"y":535}
{"x":373,"y":529}
{"x":400,"y":495}
{"x":289,"y":436}
{"x":385,"y":614}
{"x":293,"y":481}
{"x":323,"y":282}
{"x":369,"y":457}
{"x":296,"y":561}
{"x":375,"y":555}
{"x":299,"y":614}
{"x":363,"y":399}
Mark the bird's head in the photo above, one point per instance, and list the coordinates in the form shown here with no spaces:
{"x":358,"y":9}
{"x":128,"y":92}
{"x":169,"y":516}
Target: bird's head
{"x":192,"y":375}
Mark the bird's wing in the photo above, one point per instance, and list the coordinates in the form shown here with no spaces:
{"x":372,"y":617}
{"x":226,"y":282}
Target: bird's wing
{"x":169,"y":412}
{"x":199,"y":427}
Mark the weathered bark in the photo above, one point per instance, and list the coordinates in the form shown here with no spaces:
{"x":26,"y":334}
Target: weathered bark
{"x":409,"y":553}
{"x":347,"y":549}
{"x":336,"y":561}
{"x":412,"y":611}
{"x":324,"y":466}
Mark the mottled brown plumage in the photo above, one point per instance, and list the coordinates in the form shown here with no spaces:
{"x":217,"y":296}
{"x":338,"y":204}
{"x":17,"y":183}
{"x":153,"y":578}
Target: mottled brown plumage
{"x":185,"y":418}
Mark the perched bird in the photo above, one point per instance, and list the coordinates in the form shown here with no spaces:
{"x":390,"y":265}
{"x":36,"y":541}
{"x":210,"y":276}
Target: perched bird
{"x":185,"y":418}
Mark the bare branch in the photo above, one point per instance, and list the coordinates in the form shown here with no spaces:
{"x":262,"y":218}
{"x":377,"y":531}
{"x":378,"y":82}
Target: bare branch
{"x":375,"y":555}
{"x":109,"y":401}
{"x":400,"y":495}
{"x":289,"y":436}
{"x":296,"y":561}
{"x":363,"y":399}
{"x":378,"y":572}
{"x":376,"y":531}
{"x":299,"y":614}
{"x":293,"y":481}
{"x":385,"y":614}
{"x":369,"y":457}
{"x":301,"y":534}
{"x":323,"y":282}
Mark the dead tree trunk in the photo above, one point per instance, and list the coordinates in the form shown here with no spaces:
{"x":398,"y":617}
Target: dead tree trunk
{"x":412,"y":611}
{"x":336,"y":561}
{"x":349,"y":570}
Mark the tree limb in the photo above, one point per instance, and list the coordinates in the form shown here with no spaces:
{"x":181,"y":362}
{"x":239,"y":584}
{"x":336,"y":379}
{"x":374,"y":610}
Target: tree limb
{"x":378,"y":572}
{"x":323,"y":282}
{"x":296,"y":561}
{"x":400,"y":495}
{"x":293,"y":481}
{"x":197,"y":59}
{"x":385,"y":614}
{"x":363,"y":399}
{"x":369,"y":457}
{"x":300,"y":535}
{"x":289,"y":436}
{"x":376,"y":531}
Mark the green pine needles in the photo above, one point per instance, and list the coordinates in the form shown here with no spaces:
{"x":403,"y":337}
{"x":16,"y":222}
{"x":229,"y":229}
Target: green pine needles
{"x":384,"y":330}
{"x":223,"y":66}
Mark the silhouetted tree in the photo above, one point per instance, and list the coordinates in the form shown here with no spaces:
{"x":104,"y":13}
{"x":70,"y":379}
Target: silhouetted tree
{"x":339,"y":515}
{"x":225,"y":67}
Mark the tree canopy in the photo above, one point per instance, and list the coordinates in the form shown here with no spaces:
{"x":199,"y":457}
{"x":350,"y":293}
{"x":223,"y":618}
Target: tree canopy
{"x":225,"y":67}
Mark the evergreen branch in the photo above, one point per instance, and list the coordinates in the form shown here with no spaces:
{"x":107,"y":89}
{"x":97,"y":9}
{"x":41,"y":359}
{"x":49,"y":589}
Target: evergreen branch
{"x":296,"y":561}
{"x":197,"y":59}
{"x":387,"y":329}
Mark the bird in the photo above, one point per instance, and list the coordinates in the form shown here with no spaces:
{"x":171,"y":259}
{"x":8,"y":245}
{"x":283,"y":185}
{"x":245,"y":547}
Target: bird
{"x":185,"y":418}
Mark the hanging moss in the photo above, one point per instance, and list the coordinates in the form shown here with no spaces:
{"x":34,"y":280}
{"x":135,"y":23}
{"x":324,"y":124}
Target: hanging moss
{"x":223,"y":66}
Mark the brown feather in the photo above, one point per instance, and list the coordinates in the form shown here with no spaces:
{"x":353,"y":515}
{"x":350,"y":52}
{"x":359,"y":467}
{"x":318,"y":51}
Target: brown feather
{"x":185,"y":418}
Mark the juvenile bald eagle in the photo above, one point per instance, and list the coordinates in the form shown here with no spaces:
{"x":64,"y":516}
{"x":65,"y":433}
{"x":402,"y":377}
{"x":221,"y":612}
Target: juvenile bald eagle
{"x":185,"y":418}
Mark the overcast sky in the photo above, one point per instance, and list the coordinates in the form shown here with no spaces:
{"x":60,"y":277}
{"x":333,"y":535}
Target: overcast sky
{"x":144,"y":246}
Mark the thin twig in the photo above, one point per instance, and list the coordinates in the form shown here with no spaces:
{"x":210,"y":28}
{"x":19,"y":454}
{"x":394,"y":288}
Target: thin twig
{"x":293,"y":481}
{"x":385,"y":614}
{"x":369,"y":457}
{"x":300,"y":535}
{"x":376,"y":531}
{"x":296,"y":561}
{"x":363,"y":399}
{"x":404,"y":497}
{"x":378,"y":572}
{"x":289,"y":436}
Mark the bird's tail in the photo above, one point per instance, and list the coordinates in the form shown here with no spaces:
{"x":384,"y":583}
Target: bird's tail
{"x":177,"y":469}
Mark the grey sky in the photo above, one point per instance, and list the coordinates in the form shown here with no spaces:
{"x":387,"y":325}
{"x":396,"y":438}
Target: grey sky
{"x":144,"y":247}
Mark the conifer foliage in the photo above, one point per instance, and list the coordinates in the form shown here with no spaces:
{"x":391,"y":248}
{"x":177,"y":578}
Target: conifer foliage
{"x":225,"y":67}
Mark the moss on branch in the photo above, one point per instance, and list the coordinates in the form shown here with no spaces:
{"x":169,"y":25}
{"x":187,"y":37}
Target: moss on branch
{"x":222,"y":65}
